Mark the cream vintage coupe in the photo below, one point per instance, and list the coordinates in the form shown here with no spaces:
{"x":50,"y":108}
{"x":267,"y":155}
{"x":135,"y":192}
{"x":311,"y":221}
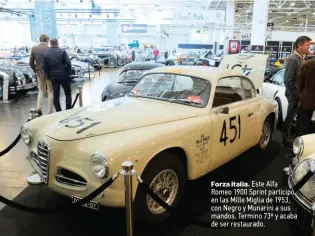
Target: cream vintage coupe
{"x":177,"y":123}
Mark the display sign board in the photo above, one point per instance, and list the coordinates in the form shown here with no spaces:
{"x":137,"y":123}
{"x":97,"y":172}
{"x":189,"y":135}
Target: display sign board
{"x":209,"y":16}
{"x":45,"y":18}
{"x":234,"y":47}
{"x":134,"y":28}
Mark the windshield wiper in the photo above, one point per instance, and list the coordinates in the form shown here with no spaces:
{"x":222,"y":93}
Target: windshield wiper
{"x":179,"y":100}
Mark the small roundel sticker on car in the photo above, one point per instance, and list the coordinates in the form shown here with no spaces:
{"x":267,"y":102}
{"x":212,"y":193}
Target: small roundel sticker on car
{"x":196,"y":99}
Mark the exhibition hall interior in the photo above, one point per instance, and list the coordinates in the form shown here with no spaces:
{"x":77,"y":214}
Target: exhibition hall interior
{"x":157,"y":117}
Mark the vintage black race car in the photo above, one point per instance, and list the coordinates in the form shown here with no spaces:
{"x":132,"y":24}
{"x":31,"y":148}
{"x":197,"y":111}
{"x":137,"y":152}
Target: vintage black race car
{"x":128,"y":78}
{"x":19,"y":78}
{"x":29,"y":80}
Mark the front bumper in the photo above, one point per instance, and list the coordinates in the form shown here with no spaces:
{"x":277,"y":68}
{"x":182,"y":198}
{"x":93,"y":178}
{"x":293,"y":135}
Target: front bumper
{"x":304,"y":210}
{"x":18,"y":88}
{"x":113,"y":196}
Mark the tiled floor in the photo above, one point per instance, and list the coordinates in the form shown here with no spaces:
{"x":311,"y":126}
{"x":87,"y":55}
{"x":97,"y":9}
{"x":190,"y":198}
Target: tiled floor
{"x":14,"y":168}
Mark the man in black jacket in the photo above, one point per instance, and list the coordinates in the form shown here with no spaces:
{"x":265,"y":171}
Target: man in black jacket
{"x":292,"y":69}
{"x":57,"y":66}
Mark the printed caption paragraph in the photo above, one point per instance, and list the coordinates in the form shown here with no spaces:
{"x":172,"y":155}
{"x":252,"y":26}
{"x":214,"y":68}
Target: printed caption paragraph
{"x":248,"y":204}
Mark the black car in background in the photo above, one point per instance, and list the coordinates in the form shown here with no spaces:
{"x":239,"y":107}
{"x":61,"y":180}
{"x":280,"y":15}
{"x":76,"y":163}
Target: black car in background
{"x":29,"y":78}
{"x":128,"y":78}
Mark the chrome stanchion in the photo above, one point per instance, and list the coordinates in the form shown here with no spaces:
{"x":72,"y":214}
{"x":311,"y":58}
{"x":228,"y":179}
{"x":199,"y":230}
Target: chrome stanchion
{"x":5,"y":87}
{"x":33,"y":114}
{"x":128,"y":172}
{"x":80,"y":96}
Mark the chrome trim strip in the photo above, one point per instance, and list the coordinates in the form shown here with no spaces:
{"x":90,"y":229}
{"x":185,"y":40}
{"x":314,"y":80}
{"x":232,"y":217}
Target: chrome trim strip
{"x":299,"y":197}
{"x":73,"y":180}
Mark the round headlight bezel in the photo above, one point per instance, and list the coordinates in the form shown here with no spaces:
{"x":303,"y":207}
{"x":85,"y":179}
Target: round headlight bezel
{"x":99,"y":159}
{"x":298,"y":146}
{"x":26,"y":135}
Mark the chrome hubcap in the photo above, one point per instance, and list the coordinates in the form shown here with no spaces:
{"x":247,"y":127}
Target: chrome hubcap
{"x":265,"y":136}
{"x":165,"y":185}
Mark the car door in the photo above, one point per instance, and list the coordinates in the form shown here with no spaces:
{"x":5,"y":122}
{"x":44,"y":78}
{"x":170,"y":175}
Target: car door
{"x":230,"y":116}
{"x":270,"y":88}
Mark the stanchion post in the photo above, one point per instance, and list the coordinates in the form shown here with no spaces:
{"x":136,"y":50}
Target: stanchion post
{"x":15,"y":88}
{"x":128,"y":173}
{"x":80,"y":96}
{"x":89,"y":71}
{"x":33,"y":114}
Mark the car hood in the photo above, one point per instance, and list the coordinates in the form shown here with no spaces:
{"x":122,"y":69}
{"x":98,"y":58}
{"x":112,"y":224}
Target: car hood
{"x":7,"y":69}
{"x":23,"y":68}
{"x":117,"y":115}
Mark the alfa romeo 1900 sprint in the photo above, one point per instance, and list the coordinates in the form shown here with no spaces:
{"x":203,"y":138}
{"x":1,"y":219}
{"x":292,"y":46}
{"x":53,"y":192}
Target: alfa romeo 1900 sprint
{"x":177,"y":123}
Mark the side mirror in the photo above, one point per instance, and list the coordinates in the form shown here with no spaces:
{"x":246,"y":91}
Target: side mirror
{"x":224,"y":110}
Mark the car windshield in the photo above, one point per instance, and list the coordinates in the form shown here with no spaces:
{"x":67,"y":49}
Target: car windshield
{"x":173,"y":88}
{"x":131,"y":75}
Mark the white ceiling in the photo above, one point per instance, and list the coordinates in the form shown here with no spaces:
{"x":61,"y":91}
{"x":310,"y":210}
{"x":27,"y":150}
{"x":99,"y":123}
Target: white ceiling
{"x":288,"y":15}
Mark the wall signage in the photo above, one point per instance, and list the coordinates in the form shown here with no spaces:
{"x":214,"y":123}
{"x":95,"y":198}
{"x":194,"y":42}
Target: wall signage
{"x":209,"y":16}
{"x":134,"y":28}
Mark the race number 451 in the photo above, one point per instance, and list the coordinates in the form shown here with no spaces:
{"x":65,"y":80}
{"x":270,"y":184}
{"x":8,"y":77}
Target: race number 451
{"x":235,"y":126}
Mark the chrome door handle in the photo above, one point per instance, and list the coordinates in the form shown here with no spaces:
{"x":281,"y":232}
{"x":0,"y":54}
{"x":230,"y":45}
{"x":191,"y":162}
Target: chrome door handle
{"x":250,"y":114}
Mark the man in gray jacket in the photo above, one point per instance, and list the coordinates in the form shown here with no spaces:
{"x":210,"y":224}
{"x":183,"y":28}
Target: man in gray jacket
{"x":292,"y":69}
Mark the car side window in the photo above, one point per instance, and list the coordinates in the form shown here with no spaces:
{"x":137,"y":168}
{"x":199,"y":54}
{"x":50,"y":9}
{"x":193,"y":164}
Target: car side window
{"x":249,"y":89}
{"x":278,"y":79}
{"x":228,"y":90}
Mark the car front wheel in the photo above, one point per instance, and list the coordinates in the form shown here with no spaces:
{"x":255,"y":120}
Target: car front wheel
{"x":166,"y":176}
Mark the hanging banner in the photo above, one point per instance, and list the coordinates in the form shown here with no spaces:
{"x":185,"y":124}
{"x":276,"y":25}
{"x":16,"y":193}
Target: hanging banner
{"x":134,"y":28}
{"x":208,"y":16}
{"x":46,"y":18}
{"x":33,"y":28}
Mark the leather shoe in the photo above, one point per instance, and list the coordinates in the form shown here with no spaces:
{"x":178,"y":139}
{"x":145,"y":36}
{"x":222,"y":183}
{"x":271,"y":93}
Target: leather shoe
{"x":39,"y":112}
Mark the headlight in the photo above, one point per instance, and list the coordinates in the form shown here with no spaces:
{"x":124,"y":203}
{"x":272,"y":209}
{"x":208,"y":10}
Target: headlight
{"x":26,"y":135}
{"x":298,"y":146}
{"x":99,"y":166}
{"x":302,"y":169}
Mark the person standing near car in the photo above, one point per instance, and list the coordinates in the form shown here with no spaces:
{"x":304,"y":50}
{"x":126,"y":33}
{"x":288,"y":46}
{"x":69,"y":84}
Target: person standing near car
{"x":292,"y":69}
{"x":156,"y":54}
{"x":37,"y":64}
{"x":57,"y":66}
{"x":306,"y":88}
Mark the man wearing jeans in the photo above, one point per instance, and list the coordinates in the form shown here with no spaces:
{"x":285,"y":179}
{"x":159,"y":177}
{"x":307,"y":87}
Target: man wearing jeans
{"x":37,"y":64}
{"x":57,"y":66}
{"x":292,"y":69}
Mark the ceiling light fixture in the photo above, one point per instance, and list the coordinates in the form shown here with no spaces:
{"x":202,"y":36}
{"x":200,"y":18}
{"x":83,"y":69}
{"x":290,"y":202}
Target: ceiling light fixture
{"x":292,"y":4}
{"x":287,"y":21}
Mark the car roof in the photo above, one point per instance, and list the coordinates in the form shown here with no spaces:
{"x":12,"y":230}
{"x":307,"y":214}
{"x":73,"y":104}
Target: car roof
{"x":211,"y":74}
{"x":141,"y":66}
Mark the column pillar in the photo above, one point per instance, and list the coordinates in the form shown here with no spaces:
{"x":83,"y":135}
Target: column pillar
{"x":112,"y":34}
{"x":229,"y":23}
{"x":216,"y":38}
{"x":45,"y":18}
{"x":259,"y":23}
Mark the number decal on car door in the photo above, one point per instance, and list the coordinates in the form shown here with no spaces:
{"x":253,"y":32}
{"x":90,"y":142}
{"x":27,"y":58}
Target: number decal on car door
{"x":236,"y":130}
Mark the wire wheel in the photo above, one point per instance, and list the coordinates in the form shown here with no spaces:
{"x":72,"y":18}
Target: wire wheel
{"x":165,"y":185}
{"x":266,"y":135}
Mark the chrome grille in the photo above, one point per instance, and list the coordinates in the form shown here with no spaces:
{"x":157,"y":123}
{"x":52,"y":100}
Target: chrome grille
{"x":308,"y":189}
{"x":69,"y":178}
{"x":42,"y":160}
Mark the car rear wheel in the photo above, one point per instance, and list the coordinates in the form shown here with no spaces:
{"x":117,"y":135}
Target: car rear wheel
{"x":112,"y":63}
{"x":266,"y":134}
{"x":166,"y":176}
